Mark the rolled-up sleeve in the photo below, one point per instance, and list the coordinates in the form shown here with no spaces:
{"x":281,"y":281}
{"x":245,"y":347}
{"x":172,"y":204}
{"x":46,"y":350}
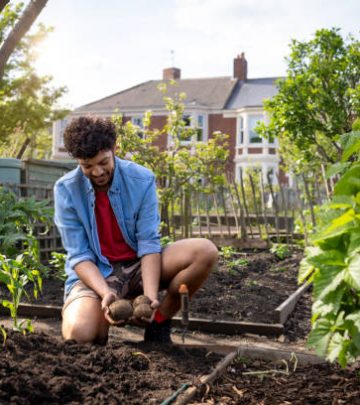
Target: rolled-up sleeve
{"x":73,"y":235}
{"x":148,"y":222}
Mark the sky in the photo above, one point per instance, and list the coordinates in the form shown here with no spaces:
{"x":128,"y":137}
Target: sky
{"x":99,"y":48}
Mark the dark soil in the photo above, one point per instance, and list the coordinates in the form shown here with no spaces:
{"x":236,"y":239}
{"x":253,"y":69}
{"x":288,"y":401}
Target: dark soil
{"x":247,"y":291}
{"x":323,"y":384}
{"x":250,"y":290}
{"x":40,"y":369}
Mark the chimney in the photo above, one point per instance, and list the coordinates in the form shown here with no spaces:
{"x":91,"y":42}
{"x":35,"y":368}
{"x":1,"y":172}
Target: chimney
{"x":240,"y":67}
{"x":172,"y":73}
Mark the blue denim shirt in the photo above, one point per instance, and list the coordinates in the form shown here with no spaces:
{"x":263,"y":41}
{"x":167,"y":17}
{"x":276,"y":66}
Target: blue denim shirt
{"x":133,"y":199}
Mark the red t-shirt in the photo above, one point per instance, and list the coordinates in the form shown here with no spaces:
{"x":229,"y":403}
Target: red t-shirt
{"x":112,"y":243}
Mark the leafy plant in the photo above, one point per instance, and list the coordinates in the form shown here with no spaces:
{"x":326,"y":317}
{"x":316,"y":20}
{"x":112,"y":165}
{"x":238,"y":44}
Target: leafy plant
{"x":227,"y":252}
{"x":18,"y":218}
{"x":57,"y":261}
{"x":16,"y":274}
{"x":280,"y":250}
{"x":332,"y":263}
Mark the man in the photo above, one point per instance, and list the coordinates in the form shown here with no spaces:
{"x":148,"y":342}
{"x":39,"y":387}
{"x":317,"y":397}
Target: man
{"x":106,"y":211}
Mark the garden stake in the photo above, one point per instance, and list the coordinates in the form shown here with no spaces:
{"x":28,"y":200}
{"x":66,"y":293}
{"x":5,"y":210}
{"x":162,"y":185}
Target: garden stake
{"x":184,"y":297}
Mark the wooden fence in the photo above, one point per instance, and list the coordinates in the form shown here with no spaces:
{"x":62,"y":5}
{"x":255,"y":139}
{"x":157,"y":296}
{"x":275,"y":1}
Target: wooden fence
{"x":245,"y":211}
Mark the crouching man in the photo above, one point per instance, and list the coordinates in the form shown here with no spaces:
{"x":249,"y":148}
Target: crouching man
{"x":106,"y":211}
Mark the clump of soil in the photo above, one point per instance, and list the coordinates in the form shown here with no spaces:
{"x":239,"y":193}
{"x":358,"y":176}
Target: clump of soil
{"x":321,"y":384}
{"x":40,"y":369}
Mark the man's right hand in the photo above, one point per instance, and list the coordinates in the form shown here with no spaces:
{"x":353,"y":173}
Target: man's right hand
{"x":107,"y":300}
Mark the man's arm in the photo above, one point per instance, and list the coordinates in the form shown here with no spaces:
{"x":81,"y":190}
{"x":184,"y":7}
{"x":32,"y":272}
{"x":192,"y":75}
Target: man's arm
{"x":90,"y":275}
{"x":150,"y":272}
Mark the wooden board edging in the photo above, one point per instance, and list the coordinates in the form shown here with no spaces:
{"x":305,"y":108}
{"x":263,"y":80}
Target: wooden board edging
{"x":202,"y":325}
{"x":282,"y":312}
{"x":230,"y":327}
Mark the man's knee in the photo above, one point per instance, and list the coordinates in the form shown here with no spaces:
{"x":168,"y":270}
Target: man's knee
{"x":84,"y":327}
{"x":207,"y":252}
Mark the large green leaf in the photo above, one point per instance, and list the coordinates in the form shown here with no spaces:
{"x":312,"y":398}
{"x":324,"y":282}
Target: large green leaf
{"x":326,"y":280}
{"x":329,"y":304}
{"x":354,"y":242}
{"x":337,"y":168}
{"x":353,"y":272}
{"x":328,"y":258}
{"x":349,"y":184}
{"x":351,"y":145}
{"x":337,"y":348}
{"x":320,"y":335}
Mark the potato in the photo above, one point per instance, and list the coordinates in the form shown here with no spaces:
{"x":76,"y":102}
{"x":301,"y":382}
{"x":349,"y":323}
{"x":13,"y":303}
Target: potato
{"x":120,"y":310}
{"x":141,"y":299}
{"x":143,"y":311}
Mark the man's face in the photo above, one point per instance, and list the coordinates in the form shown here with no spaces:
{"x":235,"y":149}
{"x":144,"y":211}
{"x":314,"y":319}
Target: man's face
{"x":99,"y":169}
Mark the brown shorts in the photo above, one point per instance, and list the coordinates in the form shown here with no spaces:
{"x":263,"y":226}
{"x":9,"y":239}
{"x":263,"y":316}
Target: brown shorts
{"x":125,"y":281}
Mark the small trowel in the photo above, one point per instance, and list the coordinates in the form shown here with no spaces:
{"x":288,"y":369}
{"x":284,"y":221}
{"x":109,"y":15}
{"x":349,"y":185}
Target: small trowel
{"x":184,"y":297}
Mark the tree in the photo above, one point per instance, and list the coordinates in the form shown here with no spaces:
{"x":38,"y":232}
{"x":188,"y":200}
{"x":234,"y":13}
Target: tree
{"x":318,"y":100}
{"x":23,"y":24}
{"x":184,"y":166}
{"x":27,"y":100}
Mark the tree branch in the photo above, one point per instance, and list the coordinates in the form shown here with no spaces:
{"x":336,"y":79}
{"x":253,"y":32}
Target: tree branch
{"x":31,"y":12}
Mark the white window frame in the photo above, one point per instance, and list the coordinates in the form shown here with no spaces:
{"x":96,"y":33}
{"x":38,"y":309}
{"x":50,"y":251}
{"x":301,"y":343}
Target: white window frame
{"x":194,"y":123}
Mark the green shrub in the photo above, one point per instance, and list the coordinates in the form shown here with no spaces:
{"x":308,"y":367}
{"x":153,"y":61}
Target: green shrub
{"x":332,"y":263}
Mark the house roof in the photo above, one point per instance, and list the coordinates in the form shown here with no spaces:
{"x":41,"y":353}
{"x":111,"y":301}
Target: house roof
{"x":212,"y":93}
{"x":252,"y":93}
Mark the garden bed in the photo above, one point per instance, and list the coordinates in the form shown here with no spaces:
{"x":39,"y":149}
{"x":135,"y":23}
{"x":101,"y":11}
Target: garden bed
{"x":254,"y":382}
{"x":39,"y":369}
{"x":248,"y":288}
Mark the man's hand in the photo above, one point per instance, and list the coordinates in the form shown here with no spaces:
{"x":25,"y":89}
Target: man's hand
{"x":107,"y":300}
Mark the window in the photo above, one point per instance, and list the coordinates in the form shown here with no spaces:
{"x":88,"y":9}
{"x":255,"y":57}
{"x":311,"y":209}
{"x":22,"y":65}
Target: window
{"x":241,"y":131}
{"x":252,"y":123}
{"x":63,"y":125}
{"x":195,"y":122}
{"x":137,"y":120}
{"x":200,"y":128}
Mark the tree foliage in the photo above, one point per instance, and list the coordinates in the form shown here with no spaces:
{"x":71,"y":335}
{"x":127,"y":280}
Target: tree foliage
{"x":318,"y":100}
{"x":27,"y":100}
{"x":183,"y":166}
{"x":333,"y":264}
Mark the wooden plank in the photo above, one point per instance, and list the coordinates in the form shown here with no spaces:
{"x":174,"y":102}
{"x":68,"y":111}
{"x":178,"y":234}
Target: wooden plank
{"x":231,"y":328}
{"x":282,"y":312}
{"x":32,"y":310}
{"x":204,"y":325}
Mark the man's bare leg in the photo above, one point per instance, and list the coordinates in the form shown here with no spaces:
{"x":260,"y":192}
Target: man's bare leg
{"x":187,"y":261}
{"x":83,"y":321}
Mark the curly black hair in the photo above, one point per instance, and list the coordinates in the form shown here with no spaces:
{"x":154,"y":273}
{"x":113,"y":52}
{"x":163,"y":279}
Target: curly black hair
{"x":86,"y":136}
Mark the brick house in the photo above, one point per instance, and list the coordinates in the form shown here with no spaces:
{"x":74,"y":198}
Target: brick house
{"x":232,"y":105}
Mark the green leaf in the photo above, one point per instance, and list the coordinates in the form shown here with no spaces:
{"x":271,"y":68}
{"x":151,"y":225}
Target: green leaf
{"x":7,"y":304}
{"x":320,"y":336}
{"x":353,"y":272}
{"x":337,"y":168}
{"x":349,"y":184}
{"x":337,"y":349}
{"x":326,"y":280}
{"x":355,"y":318}
{"x":330,"y":304}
